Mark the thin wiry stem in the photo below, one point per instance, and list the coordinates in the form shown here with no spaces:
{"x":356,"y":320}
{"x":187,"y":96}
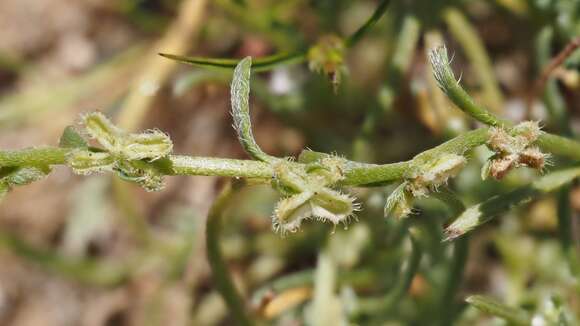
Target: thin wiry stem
{"x":555,"y":63}
{"x":221,"y":276}
{"x":85,"y":270}
{"x":513,"y":315}
{"x":388,"y":302}
{"x":369,"y":24}
{"x":551,"y":95}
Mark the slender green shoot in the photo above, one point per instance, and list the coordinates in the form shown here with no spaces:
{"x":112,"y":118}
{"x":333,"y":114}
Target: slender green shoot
{"x":221,"y":276}
{"x":510,"y":314}
{"x":369,"y":24}
{"x":447,"y":82}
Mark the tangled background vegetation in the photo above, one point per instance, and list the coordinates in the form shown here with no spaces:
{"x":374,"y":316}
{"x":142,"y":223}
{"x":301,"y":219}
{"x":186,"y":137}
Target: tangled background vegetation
{"x":446,"y":202}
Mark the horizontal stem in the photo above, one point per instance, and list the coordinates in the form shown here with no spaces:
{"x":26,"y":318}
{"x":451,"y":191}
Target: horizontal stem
{"x":559,"y":145}
{"x":356,"y":174}
{"x":33,"y":156}
{"x":208,"y":166}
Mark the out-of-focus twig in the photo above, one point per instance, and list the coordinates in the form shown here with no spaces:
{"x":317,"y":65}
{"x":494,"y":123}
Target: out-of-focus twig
{"x":178,"y":39}
{"x":554,"y":63}
{"x":221,"y":276}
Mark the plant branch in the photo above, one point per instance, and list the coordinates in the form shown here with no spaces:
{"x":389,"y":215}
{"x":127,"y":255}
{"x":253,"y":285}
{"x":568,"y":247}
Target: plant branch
{"x":389,"y":301}
{"x":221,"y":276}
{"x":369,"y":24}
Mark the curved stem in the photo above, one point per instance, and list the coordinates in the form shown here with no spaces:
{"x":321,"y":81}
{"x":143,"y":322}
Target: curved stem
{"x":221,"y":276}
{"x":447,"y":305}
{"x":85,"y":270}
{"x":389,"y":301}
{"x":450,"y":85}
{"x":369,"y":24}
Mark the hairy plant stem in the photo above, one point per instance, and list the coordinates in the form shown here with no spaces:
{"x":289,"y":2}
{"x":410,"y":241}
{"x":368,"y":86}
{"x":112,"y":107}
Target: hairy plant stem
{"x":355,"y":173}
{"x":221,"y":276}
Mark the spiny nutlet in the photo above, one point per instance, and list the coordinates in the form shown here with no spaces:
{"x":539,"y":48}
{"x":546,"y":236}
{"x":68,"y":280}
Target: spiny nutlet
{"x":399,"y":203}
{"x":513,"y":149}
{"x":436,"y":173}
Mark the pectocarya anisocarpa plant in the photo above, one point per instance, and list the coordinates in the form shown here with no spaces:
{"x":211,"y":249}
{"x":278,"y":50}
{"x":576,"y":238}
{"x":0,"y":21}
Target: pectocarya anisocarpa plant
{"x":315,"y":185}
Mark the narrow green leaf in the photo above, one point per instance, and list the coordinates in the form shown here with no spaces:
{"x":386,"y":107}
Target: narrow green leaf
{"x":485,"y":211}
{"x":258,"y":65}
{"x":447,"y":82}
{"x":493,"y":307}
{"x":240,"y":97}
{"x":71,"y":139}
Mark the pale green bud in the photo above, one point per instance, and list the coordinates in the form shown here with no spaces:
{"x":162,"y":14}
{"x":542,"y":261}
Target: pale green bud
{"x":85,"y":162}
{"x":400,"y":202}
{"x":103,"y":130}
{"x":141,"y":173}
{"x":151,"y":144}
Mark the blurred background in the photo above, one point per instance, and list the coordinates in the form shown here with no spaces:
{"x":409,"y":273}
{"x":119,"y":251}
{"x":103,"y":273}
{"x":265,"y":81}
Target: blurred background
{"x":100,"y":251}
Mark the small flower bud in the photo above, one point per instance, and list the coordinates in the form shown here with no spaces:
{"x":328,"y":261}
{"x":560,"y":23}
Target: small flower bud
{"x":141,"y":173}
{"x":499,"y":167}
{"x":85,"y":162}
{"x":290,"y":212}
{"x":332,"y":206}
{"x":151,"y":144}
{"x":399,"y":203}
{"x":513,"y":149}
{"x":533,"y":158}
{"x":529,"y":130}
{"x":436,"y":173}
{"x":103,"y":130}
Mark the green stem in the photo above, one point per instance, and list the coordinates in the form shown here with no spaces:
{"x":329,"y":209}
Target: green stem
{"x":368,"y":174}
{"x":356,"y":174}
{"x":221,"y":276}
{"x":403,"y":51}
{"x":368,"y":25}
{"x":566,"y":230}
{"x":447,"y":304}
{"x":33,"y":156}
{"x":450,"y":86}
{"x":488,"y":305}
{"x":84,"y":270}
{"x":388,"y":302}
{"x":209,"y":166}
